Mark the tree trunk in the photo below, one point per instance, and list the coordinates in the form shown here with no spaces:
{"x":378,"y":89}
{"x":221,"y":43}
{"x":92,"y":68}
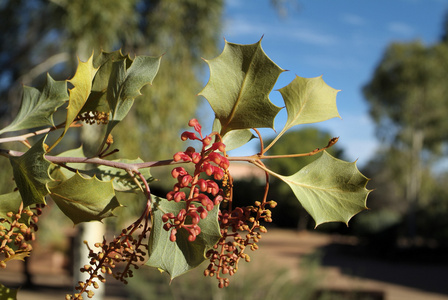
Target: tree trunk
{"x":92,"y":232}
{"x":414,"y":182}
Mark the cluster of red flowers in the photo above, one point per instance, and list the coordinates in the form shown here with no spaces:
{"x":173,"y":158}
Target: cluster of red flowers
{"x":192,"y":189}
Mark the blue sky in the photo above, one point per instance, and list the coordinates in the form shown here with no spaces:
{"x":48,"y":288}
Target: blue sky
{"x":340,"y":39}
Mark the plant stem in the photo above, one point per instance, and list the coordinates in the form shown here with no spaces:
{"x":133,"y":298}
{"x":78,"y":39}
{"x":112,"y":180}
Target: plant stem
{"x":96,"y":161}
{"x":24,"y":137}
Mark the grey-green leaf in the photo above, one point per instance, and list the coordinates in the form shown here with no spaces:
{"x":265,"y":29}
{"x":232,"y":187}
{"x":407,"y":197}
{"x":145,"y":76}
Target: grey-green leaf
{"x":84,"y":200}
{"x":331,"y":190}
{"x":37,"y":108}
{"x":31,"y":174}
{"x":241,"y":79}
{"x":125,"y":83}
{"x":309,"y":100}
{"x":177,"y":258}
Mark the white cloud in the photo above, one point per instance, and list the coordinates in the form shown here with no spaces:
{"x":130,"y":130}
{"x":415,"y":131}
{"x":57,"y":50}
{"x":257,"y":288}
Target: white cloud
{"x":353,"y":19}
{"x":401,"y":28}
{"x":302,"y":33}
{"x":239,"y":27}
{"x":313,"y":37}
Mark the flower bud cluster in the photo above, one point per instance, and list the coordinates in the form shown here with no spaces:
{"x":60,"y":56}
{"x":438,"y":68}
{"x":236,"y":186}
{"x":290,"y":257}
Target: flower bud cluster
{"x":226,"y":254}
{"x":17,"y":232}
{"x":199,"y":195}
{"x":122,"y":249}
{"x":92,"y":117}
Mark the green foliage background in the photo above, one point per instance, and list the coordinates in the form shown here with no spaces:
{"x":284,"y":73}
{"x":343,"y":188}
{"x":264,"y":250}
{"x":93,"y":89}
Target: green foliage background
{"x":407,"y":99}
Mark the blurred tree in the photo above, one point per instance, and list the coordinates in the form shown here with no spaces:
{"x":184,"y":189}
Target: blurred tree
{"x":38,"y":36}
{"x":300,"y":141}
{"x":407,"y":97}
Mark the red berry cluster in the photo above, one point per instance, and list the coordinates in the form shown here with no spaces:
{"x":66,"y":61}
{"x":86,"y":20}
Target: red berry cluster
{"x":200,"y":195}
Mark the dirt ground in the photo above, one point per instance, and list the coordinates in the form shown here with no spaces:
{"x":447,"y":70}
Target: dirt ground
{"x":340,"y":270}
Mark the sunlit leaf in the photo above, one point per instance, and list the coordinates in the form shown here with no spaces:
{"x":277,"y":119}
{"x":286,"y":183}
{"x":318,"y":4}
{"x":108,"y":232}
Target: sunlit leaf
{"x":309,"y":100}
{"x":31,"y":174}
{"x":82,"y":85}
{"x":84,"y":200}
{"x":177,"y":258}
{"x":37,"y":108}
{"x":241,"y":79}
{"x":331,"y":190}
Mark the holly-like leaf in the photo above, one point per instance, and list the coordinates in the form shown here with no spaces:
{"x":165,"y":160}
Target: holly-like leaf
{"x":331,"y":190}
{"x":31,"y":174}
{"x":82,"y":85}
{"x":84,"y":200}
{"x":241,"y":79}
{"x":7,"y":293}
{"x":97,"y":100}
{"x":127,"y":77}
{"x":37,"y":108}
{"x":309,"y":100}
{"x":181,"y":256}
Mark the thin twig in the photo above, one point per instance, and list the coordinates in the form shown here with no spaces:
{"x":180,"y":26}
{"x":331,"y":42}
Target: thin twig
{"x":24,"y":137}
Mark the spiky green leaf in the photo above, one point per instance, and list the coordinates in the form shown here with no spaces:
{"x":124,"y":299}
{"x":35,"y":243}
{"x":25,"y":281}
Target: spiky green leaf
{"x":97,"y":100}
{"x":37,"y":108}
{"x":127,"y":77}
{"x":309,"y":100}
{"x":331,"y":190}
{"x":177,"y":258}
{"x":31,"y":174}
{"x":241,"y":79}
{"x":82,"y":85}
{"x":84,"y":200}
